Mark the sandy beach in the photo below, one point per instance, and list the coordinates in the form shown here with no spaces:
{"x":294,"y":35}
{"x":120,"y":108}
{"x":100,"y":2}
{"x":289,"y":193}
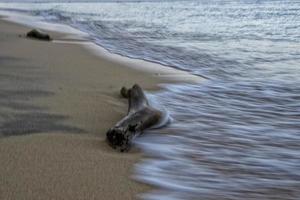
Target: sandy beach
{"x":58,"y":99}
{"x":225,"y":75}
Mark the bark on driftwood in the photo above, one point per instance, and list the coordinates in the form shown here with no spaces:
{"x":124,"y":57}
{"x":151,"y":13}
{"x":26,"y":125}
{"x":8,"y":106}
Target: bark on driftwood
{"x":37,"y":34}
{"x":139,"y":117}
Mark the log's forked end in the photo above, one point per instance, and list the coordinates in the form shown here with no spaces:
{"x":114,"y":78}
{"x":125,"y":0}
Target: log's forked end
{"x":124,"y":92}
{"x":137,"y":91}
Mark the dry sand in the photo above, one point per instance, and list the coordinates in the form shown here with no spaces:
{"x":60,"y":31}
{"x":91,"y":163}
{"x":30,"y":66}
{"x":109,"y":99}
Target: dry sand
{"x":56,"y":102}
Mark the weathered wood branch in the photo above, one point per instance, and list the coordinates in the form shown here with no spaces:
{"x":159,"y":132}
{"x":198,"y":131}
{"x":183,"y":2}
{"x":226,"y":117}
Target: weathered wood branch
{"x":140,"y":116}
{"x":37,"y":34}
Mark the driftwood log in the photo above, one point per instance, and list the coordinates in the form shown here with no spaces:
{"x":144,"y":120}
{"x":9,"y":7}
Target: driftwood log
{"x":139,"y":117}
{"x":37,"y":34}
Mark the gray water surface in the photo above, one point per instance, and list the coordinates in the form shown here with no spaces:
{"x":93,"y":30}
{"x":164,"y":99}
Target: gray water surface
{"x":234,"y":136}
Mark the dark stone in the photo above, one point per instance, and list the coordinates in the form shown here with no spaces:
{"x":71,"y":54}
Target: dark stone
{"x":37,"y":34}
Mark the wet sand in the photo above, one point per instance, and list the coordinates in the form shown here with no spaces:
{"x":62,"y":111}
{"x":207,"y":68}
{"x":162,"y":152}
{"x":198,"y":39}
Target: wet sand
{"x":57,"y":100}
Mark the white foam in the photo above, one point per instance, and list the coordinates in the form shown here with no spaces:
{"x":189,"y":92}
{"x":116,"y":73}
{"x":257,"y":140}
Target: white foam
{"x":36,"y":22}
{"x":79,"y":37}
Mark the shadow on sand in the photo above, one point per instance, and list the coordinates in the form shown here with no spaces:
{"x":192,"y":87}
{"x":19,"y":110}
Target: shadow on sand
{"x":21,"y":85}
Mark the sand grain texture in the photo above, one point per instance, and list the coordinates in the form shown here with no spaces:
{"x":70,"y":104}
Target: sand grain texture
{"x":57,"y":101}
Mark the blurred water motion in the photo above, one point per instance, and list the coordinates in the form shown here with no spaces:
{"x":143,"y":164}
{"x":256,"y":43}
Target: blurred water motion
{"x":229,"y":142}
{"x":236,"y":135}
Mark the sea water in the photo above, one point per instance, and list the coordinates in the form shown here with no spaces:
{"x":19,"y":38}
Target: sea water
{"x":236,"y":135}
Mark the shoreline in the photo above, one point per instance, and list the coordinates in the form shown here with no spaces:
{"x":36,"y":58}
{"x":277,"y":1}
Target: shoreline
{"x":67,"y":34}
{"x":59,"y":98}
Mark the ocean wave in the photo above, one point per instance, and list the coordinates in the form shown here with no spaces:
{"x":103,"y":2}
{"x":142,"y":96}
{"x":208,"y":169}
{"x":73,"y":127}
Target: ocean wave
{"x":234,"y":136}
